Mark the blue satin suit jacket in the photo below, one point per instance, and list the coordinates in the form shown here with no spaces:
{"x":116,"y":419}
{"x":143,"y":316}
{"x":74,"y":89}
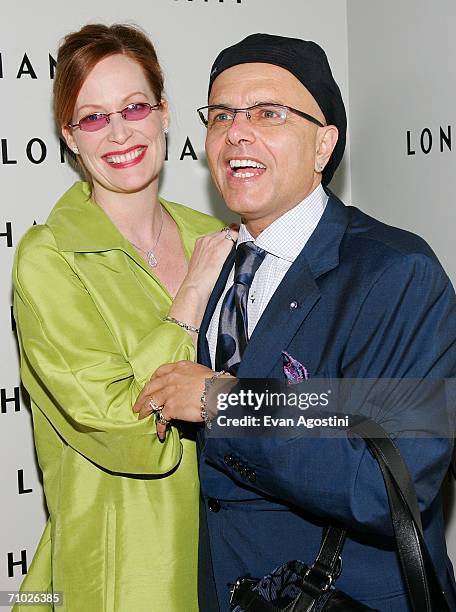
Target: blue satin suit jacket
{"x":373,"y":301}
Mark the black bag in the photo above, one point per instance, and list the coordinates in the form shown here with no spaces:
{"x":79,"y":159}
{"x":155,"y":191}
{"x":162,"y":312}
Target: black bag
{"x":295,"y":587}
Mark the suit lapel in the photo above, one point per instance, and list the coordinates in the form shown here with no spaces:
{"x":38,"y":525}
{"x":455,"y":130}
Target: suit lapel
{"x":287,"y":309}
{"x":203,"y":348}
{"x":296,"y":295}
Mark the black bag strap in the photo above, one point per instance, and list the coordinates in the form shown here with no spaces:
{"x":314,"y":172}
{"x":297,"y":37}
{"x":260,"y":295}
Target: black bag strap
{"x":423,"y":586}
{"x":453,"y":463}
{"x":328,"y":564}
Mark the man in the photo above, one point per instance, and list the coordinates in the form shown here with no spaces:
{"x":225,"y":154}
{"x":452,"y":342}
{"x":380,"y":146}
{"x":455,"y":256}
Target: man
{"x":342,"y":294}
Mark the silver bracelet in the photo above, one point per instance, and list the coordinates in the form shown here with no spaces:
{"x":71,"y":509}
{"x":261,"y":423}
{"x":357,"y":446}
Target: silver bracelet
{"x":203,"y":405}
{"x":182,"y":324}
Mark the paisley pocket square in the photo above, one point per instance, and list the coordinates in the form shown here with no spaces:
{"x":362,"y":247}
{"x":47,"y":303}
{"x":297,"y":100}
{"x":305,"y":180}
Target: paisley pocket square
{"x":294,"y":371}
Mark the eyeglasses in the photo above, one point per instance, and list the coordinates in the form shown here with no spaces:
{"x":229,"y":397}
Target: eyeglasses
{"x":262,"y":115}
{"x":132,"y":112}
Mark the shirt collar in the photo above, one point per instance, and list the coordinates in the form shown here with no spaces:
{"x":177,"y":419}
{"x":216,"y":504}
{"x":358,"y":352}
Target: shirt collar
{"x":79,"y":225}
{"x":287,"y":235}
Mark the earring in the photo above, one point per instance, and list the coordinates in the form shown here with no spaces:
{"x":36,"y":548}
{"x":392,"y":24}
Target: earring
{"x":320,"y":167}
{"x":165,"y":130}
{"x":75,"y":150}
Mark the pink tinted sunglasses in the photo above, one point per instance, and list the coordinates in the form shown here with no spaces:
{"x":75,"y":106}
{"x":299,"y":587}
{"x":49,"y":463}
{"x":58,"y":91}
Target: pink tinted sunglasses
{"x":97,"y":121}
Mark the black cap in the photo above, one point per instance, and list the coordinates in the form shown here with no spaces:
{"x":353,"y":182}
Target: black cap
{"x":308,"y":63}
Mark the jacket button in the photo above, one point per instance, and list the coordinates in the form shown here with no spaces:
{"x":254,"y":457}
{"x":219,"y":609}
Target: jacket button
{"x":243,"y":471}
{"x":229,"y":460}
{"x":293,"y":305}
{"x":251,"y":475}
{"x":213,"y":504}
{"x":236,"y":466}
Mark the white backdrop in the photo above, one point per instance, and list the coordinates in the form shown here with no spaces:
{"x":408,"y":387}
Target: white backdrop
{"x":393,"y":62}
{"x":402,"y":109}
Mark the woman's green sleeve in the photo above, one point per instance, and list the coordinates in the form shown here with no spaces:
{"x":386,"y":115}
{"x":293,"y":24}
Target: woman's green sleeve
{"x":74,"y":369}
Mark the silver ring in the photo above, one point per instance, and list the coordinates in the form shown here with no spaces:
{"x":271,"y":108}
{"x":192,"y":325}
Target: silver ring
{"x":228,"y":236}
{"x":160,"y":418}
{"x":154,"y":406}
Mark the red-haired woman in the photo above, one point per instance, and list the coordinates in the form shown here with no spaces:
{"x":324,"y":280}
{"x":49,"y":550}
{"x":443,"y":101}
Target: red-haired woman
{"x":111,"y":287}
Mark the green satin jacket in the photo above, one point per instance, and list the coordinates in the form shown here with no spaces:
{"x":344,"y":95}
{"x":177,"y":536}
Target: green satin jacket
{"x":123,"y":508}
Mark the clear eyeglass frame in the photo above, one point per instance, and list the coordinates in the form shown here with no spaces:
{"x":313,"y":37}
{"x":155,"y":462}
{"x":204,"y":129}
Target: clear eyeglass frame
{"x":265,"y":114}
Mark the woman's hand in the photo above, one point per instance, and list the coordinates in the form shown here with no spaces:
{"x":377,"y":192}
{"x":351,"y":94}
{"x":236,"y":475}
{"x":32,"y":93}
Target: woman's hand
{"x":204,"y":268}
{"x":208,"y":258}
{"x":178,"y":388}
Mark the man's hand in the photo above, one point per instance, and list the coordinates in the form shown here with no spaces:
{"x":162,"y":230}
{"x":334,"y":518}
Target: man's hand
{"x":178,"y":388}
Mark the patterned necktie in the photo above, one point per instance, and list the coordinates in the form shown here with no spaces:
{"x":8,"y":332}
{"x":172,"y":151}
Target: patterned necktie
{"x":233,"y":328}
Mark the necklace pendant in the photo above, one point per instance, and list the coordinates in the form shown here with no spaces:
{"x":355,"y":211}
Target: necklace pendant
{"x":151,"y":259}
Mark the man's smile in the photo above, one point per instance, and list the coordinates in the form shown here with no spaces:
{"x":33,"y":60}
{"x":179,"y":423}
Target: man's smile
{"x":245,"y":167}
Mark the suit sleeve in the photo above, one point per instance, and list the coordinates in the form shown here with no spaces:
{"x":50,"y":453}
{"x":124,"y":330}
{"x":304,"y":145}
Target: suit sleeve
{"x":405,"y":328}
{"x":75,"y":371}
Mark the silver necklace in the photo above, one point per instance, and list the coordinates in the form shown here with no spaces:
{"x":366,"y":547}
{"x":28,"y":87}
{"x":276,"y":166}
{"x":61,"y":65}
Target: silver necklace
{"x":150,"y":255}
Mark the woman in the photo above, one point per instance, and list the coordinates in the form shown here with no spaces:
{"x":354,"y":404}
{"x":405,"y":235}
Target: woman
{"x":105,"y":292}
